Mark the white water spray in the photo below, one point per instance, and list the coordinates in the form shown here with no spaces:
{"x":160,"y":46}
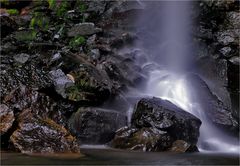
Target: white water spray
{"x":174,"y":51}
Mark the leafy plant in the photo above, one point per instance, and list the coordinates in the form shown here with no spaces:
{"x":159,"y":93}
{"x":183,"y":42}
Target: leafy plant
{"x":12,"y":11}
{"x":39,"y":21}
{"x":82,"y":7}
{"x":77,"y":41}
{"x":5,"y":2}
{"x":59,"y":7}
{"x":52,"y":3}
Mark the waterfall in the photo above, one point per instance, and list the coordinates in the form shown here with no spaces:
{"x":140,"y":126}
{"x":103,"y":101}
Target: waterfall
{"x":167,"y":36}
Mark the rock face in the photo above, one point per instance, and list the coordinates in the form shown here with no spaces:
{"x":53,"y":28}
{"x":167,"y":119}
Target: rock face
{"x":221,"y":20}
{"x":155,"y":125}
{"x":86,"y":28}
{"x":145,"y":139}
{"x":96,"y":126}
{"x":15,"y":74}
{"x":38,"y":135}
{"x":61,"y":81}
{"x":213,"y":108}
{"x":6,"y":118}
{"x":90,"y":85}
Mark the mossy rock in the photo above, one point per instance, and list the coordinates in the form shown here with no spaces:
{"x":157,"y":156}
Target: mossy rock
{"x":90,"y":85}
{"x":26,"y":36}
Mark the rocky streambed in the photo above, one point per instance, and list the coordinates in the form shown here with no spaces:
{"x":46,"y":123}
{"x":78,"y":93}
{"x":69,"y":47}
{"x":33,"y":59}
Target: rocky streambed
{"x":67,"y":68}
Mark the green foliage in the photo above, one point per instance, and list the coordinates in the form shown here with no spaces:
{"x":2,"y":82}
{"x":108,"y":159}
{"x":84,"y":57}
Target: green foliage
{"x":52,"y":4}
{"x":26,"y":36}
{"x":39,"y":21}
{"x":82,"y":7}
{"x":62,"y":8}
{"x":5,"y":2}
{"x":77,"y":41}
{"x":12,"y":11}
{"x":59,"y":8}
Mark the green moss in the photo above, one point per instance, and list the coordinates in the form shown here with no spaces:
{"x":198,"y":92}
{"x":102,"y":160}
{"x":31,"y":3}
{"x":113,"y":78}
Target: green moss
{"x":76,"y":93}
{"x":12,"y":11}
{"x":26,"y":36}
{"x":77,"y":41}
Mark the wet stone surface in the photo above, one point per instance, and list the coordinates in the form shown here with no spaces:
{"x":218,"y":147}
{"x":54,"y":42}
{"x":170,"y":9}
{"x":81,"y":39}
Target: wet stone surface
{"x":95,"y":125}
{"x":155,"y":125}
{"x":40,"y":135}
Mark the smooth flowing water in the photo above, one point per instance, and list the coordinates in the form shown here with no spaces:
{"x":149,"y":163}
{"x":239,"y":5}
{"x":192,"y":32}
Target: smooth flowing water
{"x":173,"y":55}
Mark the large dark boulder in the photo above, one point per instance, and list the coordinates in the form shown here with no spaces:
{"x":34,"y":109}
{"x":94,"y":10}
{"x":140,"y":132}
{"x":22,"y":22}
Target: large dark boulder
{"x":156,"y":124}
{"x":96,"y":126}
{"x":165,"y":116}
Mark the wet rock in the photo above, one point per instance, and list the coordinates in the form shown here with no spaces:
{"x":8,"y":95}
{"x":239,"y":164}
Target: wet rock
{"x":61,"y":81}
{"x":228,"y":36}
{"x":214,"y":108}
{"x":6,"y":118}
{"x":21,"y":58}
{"x":225,"y":51}
{"x":38,"y":135}
{"x":91,"y":85}
{"x":7,"y":48}
{"x":156,"y":124}
{"x":96,"y":126}
{"x":91,"y":40}
{"x":7,"y":26}
{"x":23,"y":98}
{"x":232,"y":20}
{"x":123,"y":71}
{"x":144,"y":139}
{"x":223,"y":5}
{"x":97,"y":7}
{"x":86,"y":28}
{"x":216,"y":77}
{"x":130,"y":5}
{"x":28,"y":74}
{"x":182,"y":146}
{"x":165,"y":116}
{"x":123,"y":39}
{"x":233,"y":87}
{"x":235,"y":60}
{"x":95,"y":54}
{"x":56,"y":57}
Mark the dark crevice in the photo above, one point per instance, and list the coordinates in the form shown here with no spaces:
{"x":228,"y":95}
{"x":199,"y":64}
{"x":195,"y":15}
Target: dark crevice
{"x":6,"y":144}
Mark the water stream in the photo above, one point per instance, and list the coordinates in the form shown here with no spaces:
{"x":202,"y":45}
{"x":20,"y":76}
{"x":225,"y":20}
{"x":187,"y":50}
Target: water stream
{"x":172,"y":51}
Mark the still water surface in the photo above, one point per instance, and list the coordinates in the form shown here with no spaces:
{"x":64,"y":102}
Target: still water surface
{"x":105,"y":156}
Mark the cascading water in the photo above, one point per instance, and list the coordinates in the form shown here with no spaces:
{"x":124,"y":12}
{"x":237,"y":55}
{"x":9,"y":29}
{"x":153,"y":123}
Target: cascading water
{"x":171,"y":24}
